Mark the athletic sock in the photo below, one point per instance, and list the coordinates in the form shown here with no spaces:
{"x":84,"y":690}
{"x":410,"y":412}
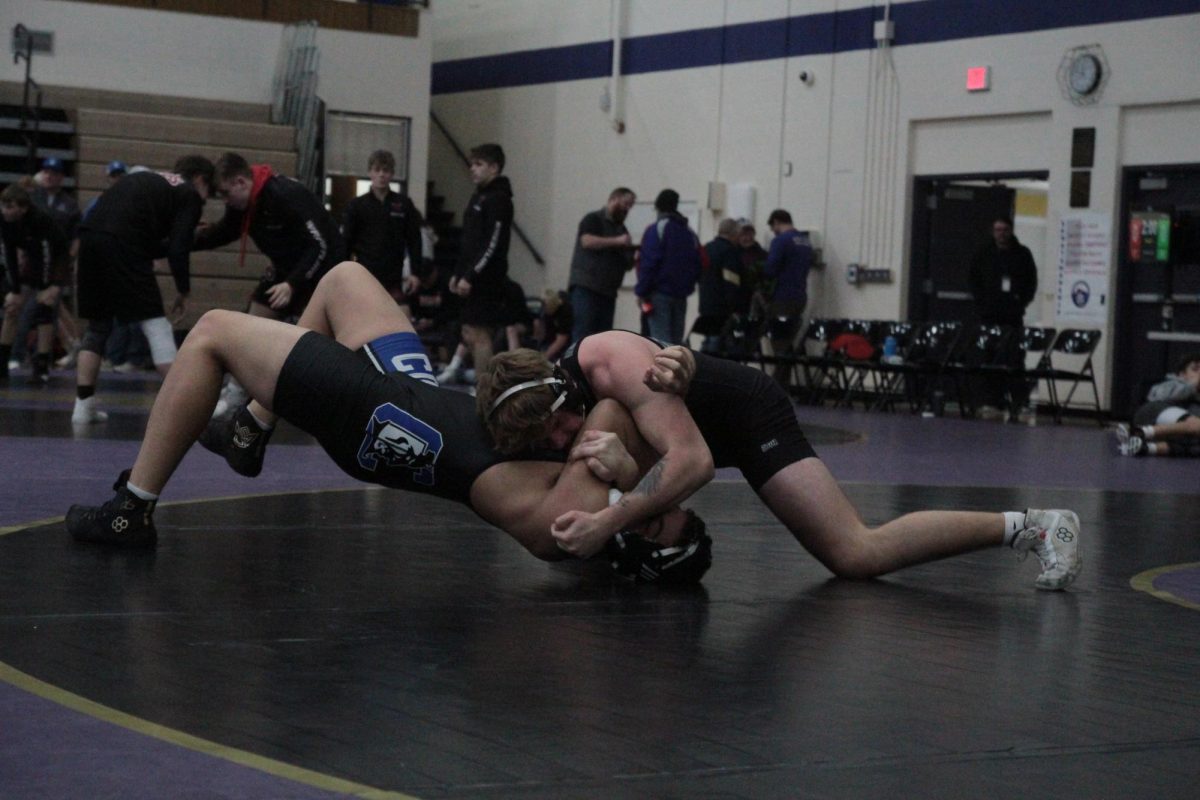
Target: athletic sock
{"x":141,"y":494}
{"x":1014,"y":523}
{"x":1152,"y":448}
{"x":262,"y":425}
{"x":84,"y":392}
{"x":1147,"y":432}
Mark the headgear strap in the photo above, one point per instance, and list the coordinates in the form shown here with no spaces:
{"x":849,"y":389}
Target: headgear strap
{"x":520,"y":387}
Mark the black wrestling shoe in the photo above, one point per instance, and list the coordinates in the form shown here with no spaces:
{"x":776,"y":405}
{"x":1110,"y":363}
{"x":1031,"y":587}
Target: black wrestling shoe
{"x":239,"y":440}
{"x":124,"y":521}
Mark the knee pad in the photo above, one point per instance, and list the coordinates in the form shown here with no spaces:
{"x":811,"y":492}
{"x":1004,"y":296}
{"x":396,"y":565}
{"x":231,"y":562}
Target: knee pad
{"x":161,"y":338}
{"x":96,"y":336}
{"x":43,"y":315}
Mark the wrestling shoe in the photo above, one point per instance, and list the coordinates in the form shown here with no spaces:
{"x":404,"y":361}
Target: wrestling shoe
{"x":124,"y":521}
{"x":1053,"y":536}
{"x":239,"y":440}
{"x":86,"y":413}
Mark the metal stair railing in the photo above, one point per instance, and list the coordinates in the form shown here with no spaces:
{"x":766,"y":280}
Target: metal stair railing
{"x":537,"y":257}
{"x":296,"y":102}
{"x":22,"y":34}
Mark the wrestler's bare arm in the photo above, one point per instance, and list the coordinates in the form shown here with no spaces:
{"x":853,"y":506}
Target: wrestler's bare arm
{"x":615,"y":364}
{"x":525,"y":497}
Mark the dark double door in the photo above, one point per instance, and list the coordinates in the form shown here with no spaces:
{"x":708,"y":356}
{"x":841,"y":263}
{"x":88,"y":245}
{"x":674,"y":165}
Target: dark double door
{"x":952,"y":219}
{"x":1158,"y":287}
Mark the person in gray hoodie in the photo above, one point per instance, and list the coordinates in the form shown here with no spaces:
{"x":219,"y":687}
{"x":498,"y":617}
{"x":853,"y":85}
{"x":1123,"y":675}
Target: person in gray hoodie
{"x":1171,"y":412}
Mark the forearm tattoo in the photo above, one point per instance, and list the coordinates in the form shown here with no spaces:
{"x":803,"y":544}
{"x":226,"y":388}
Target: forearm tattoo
{"x":650,"y":482}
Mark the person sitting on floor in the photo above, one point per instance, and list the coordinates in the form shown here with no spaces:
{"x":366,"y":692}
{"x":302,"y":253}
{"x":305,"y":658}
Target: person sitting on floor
{"x":1171,"y":412}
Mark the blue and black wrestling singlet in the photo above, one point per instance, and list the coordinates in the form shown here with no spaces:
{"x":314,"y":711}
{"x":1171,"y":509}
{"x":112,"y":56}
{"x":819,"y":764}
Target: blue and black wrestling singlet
{"x":403,"y":353}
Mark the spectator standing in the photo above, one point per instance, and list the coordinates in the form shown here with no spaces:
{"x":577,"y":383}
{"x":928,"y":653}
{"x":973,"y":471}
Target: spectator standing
{"x":382,"y":227}
{"x":36,"y":261}
{"x":52,"y":197}
{"x":1003,"y":279}
{"x":668,"y":269}
{"x":788,"y":263}
{"x":603,"y":254}
{"x":754,"y":259}
{"x":48,"y":194}
{"x":721,"y":291}
{"x":123,"y":234}
{"x":482,"y":272}
{"x":287,"y":224}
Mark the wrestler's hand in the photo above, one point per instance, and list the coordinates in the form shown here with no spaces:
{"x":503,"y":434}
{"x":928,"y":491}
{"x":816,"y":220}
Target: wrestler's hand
{"x":461,"y":287}
{"x":580,"y":534}
{"x":606,"y":456}
{"x":672,"y":370}
{"x":280,"y":295}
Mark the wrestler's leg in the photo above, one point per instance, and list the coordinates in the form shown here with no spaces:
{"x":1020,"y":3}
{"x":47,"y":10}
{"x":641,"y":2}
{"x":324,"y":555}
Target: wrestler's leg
{"x":252,"y":349}
{"x":351,"y":306}
{"x":1188,"y":426}
{"x":806,"y":498}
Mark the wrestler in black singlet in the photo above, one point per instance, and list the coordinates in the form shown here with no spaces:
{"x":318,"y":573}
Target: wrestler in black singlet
{"x":746,"y":418}
{"x":388,"y":429}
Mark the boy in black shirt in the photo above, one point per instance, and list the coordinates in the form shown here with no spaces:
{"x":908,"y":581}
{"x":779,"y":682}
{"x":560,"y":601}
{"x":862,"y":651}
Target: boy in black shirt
{"x":381,"y":227}
{"x":36,"y":259}
{"x":118,"y":242}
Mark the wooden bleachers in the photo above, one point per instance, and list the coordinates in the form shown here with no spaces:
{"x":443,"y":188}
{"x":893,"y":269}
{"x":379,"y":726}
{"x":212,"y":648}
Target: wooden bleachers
{"x":154,"y":131}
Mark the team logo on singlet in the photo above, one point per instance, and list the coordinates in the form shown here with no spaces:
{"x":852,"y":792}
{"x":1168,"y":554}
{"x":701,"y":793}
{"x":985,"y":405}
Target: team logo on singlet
{"x":396,"y":439}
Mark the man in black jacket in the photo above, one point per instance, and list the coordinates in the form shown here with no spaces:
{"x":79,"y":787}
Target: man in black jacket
{"x":721,"y":292}
{"x":480,"y":277}
{"x":1003,"y":279}
{"x":118,"y":242}
{"x":287,"y":223}
{"x":36,"y":259}
{"x":381,"y":227}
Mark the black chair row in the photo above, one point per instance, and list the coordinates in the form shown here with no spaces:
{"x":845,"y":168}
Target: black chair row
{"x":842,"y":360}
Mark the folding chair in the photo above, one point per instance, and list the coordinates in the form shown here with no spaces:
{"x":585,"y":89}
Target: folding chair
{"x":814,"y":361}
{"x":1075,"y":346}
{"x":984,"y":353}
{"x":925,"y":360}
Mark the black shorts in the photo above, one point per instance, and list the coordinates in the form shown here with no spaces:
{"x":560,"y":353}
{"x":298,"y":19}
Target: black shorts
{"x":747,"y":419}
{"x":116,"y":280}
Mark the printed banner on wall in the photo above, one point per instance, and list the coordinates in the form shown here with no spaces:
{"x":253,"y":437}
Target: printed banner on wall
{"x":1084,"y":259}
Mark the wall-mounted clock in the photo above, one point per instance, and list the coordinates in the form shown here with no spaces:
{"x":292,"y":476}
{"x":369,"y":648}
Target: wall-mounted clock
{"x":1083,"y":73}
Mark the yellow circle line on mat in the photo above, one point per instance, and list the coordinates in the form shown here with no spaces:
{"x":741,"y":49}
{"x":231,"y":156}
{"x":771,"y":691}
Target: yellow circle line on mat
{"x":1144,"y":582}
{"x":291,"y":772}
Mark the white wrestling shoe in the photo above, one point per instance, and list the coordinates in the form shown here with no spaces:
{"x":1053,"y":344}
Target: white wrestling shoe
{"x":86,"y":413}
{"x":1053,"y":536}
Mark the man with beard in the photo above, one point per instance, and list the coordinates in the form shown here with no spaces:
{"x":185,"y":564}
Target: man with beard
{"x":603,"y":254}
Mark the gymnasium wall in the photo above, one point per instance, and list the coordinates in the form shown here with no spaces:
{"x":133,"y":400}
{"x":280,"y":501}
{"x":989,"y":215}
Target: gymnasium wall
{"x":712,"y":93}
{"x":191,"y":55}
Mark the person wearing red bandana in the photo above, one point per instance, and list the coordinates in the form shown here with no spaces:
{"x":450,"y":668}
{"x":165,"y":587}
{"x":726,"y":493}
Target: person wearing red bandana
{"x":288,"y":225}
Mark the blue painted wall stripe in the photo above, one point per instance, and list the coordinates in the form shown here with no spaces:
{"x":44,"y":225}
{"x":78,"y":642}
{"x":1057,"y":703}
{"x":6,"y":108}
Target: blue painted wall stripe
{"x":921,"y":22}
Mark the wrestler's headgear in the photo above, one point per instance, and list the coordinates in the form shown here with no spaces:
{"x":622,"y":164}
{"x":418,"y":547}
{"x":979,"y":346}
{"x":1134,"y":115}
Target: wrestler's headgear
{"x":568,"y":392}
{"x":637,"y":558}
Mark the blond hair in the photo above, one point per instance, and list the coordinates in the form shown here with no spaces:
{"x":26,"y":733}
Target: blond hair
{"x":522,"y":420}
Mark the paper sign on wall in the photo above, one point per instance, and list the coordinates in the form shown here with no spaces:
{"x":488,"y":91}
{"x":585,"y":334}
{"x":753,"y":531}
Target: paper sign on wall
{"x":1084,"y":259}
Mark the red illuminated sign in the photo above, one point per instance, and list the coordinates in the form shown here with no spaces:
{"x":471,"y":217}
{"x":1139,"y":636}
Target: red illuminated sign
{"x":978,"y":79}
